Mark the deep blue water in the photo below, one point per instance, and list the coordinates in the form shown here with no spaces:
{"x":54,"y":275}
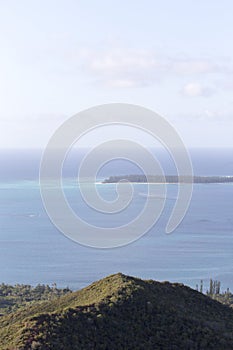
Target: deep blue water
{"x":33,"y":251}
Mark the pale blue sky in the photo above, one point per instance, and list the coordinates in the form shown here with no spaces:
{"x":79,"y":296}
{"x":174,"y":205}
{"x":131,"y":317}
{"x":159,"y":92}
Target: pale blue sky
{"x":59,"y":57}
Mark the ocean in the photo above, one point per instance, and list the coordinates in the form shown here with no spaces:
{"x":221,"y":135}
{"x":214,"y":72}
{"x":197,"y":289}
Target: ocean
{"x":33,"y":251}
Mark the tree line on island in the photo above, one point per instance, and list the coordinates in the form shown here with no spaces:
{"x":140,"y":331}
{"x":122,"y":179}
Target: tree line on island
{"x":167,"y":178}
{"x":14,"y":297}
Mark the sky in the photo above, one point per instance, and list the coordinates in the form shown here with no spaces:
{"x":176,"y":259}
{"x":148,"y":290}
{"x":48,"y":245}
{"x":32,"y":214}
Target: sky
{"x":60,"y":57}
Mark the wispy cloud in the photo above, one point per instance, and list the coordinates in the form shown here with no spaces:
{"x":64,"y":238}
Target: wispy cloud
{"x":196,"y":66}
{"x":33,"y":118}
{"x":124,"y":68}
{"x":205,"y":115}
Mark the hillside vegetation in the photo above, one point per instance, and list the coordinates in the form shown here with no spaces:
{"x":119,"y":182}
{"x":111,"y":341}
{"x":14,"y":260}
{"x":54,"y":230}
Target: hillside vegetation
{"x":14,"y":297}
{"x":121,"y":312}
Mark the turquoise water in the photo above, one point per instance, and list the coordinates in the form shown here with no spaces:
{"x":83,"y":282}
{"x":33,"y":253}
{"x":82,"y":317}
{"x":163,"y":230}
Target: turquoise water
{"x":33,"y":251}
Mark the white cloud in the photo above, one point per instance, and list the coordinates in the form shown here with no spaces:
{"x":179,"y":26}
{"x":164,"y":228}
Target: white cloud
{"x":124,"y":61}
{"x":125,"y":68}
{"x":197,"y":90}
{"x":206,"y":115}
{"x":33,"y":118}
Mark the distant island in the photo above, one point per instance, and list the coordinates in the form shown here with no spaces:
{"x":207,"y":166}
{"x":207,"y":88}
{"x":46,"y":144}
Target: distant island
{"x":168,"y":179}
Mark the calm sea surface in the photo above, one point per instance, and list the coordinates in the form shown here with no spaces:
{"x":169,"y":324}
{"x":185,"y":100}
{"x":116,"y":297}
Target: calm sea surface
{"x":33,"y":251}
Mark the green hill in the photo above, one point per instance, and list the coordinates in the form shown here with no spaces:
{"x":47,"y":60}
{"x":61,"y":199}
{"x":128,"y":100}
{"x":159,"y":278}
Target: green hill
{"x":121,"y":312}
